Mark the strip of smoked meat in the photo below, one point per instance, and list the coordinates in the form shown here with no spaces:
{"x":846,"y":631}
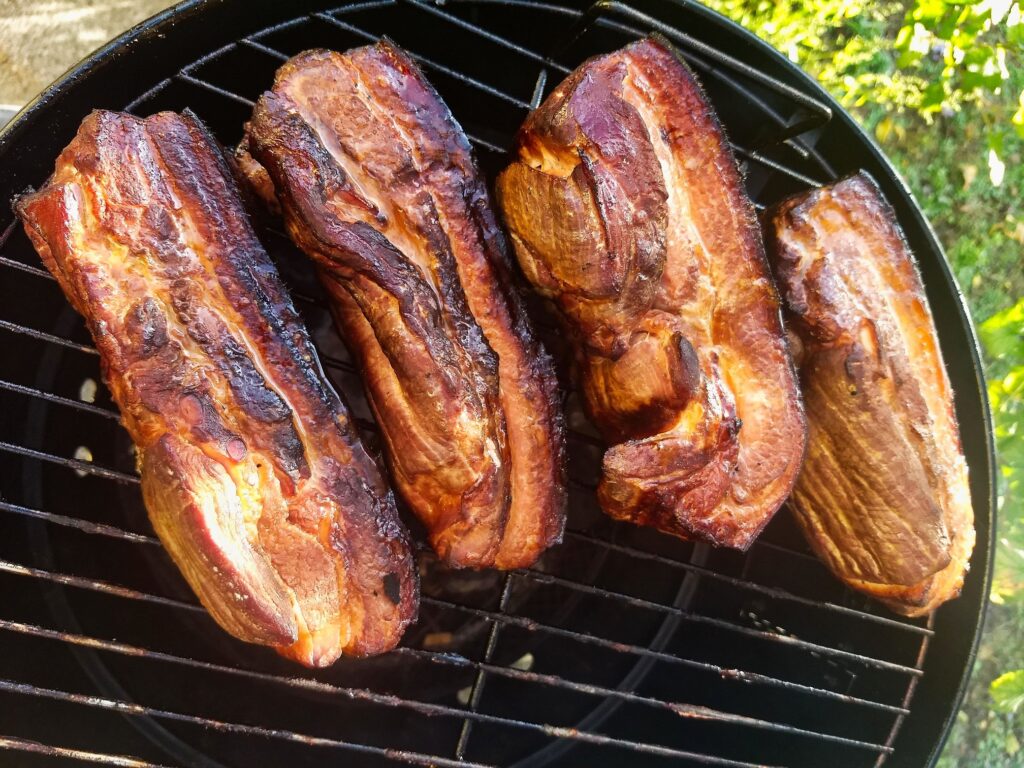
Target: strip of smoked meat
{"x":627,"y":211}
{"x":883,"y":496}
{"x":378,"y":185}
{"x":252,"y":473}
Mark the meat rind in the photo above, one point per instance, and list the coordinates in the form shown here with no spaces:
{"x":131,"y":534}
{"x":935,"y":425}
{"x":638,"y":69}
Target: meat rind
{"x":626,"y":209}
{"x":252,"y":473}
{"x":378,"y":186}
{"x":883,"y":497}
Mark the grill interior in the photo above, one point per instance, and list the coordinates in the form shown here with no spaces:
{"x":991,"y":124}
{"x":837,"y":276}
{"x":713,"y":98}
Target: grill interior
{"x":621,"y":647}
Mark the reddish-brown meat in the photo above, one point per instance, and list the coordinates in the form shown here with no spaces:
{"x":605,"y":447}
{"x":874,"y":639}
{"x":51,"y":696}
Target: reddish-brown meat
{"x":378,"y":185}
{"x":252,"y":473}
{"x":627,"y":210}
{"x":883,"y":496}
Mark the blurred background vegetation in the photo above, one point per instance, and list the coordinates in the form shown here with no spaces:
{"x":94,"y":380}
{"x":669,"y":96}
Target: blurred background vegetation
{"x":941,"y":87}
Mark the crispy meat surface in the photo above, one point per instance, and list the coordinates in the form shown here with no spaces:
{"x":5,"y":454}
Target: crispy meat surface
{"x":883,"y":496}
{"x":252,"y":473}
{"x":626,"y":209}
{"x":378,"y":186}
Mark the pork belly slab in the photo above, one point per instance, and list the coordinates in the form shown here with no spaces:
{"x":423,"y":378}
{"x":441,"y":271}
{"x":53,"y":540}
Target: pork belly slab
{"x":378,"y":185}
{"x":883,"y":497}
{"x":627,"y":210}
{"x":252,"y":473}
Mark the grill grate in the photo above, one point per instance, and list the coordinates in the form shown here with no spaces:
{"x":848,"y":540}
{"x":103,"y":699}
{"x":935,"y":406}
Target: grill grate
{"x":620,"y":645}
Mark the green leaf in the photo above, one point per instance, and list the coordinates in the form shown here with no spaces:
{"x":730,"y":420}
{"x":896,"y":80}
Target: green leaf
{"x":903,"y":37}
{"x":947,"y":24}
{"x":1012,"y":745}
{"x":1018,"y":117}
{"x":978,"y":56}
{"x":928,"y":11}
{"x":1003,"y":333}
{"x":1015,"y":28}
{"x":933,"y":95}
{"x":981,"y":81}
{"x":1008,"y":691}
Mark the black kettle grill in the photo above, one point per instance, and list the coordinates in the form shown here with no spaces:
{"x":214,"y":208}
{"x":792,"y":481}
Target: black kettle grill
{"x":622,"y":647}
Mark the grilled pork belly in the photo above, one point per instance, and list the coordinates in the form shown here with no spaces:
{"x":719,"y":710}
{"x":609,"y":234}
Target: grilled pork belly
{"x":883,"y":496}
{"x":253,"y":475}
{"x":378,"y":186}
{"x":626,"y":209}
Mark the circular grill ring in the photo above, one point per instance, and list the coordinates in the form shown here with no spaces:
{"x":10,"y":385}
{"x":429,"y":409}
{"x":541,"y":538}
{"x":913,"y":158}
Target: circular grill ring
{"x":178,"y":60}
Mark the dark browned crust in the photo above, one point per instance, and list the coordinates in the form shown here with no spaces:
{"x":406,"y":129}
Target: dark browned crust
{"x":883,"y":496}
{"x":378,"y":185}
{"x":627,"y":209}
{"x":253,"y":475}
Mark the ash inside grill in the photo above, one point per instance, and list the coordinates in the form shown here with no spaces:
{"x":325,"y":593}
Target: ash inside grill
{"x":621,"y":647}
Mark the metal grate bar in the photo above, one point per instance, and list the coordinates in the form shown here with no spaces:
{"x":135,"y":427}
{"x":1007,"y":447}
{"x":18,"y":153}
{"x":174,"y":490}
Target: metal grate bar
{"x":199,"y":82}
{"x":484,"y":143}
{"x":258,"y":46}
{"x":368,"y":5}
{"x":8,"y":230}
{"x":754,"y":156}
{"x":789,"y":130}
{"x":136,"y":710}
{"x":807,"y":102}
{"x":206,"y":58}
{"x":428,"y":63}
{"x":14,"y":264}
{"x":370,"y":426}
{"x":298,"y":21}
{"x":365,"y":695}
{"x":82,"y":525}
{"x":488,"y":35}
{"x":75,"y":464}
{"x":24,"y":745}
{"x":112,"y":531}
{"x":477,"y":691}
{"x":788,"y":551}
{"x":763,"y":589}
{"x":728,"y":674}
{"x":898,"y":724}
{"x":337,"y":363}
{"x":547,"y":578}
{"x":814,"y":648}
{"x":210,"y":87}
{"x":305,"y":298}
{"x":460,"y":661}
{"x":134,"y":104}
{"x":347,"y":367}
{"x":683,"y":710}
{"x":634,"y":650}
{"x":47,"y":337}
{"x":95,"y":586}
{"x":10,"y":386}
